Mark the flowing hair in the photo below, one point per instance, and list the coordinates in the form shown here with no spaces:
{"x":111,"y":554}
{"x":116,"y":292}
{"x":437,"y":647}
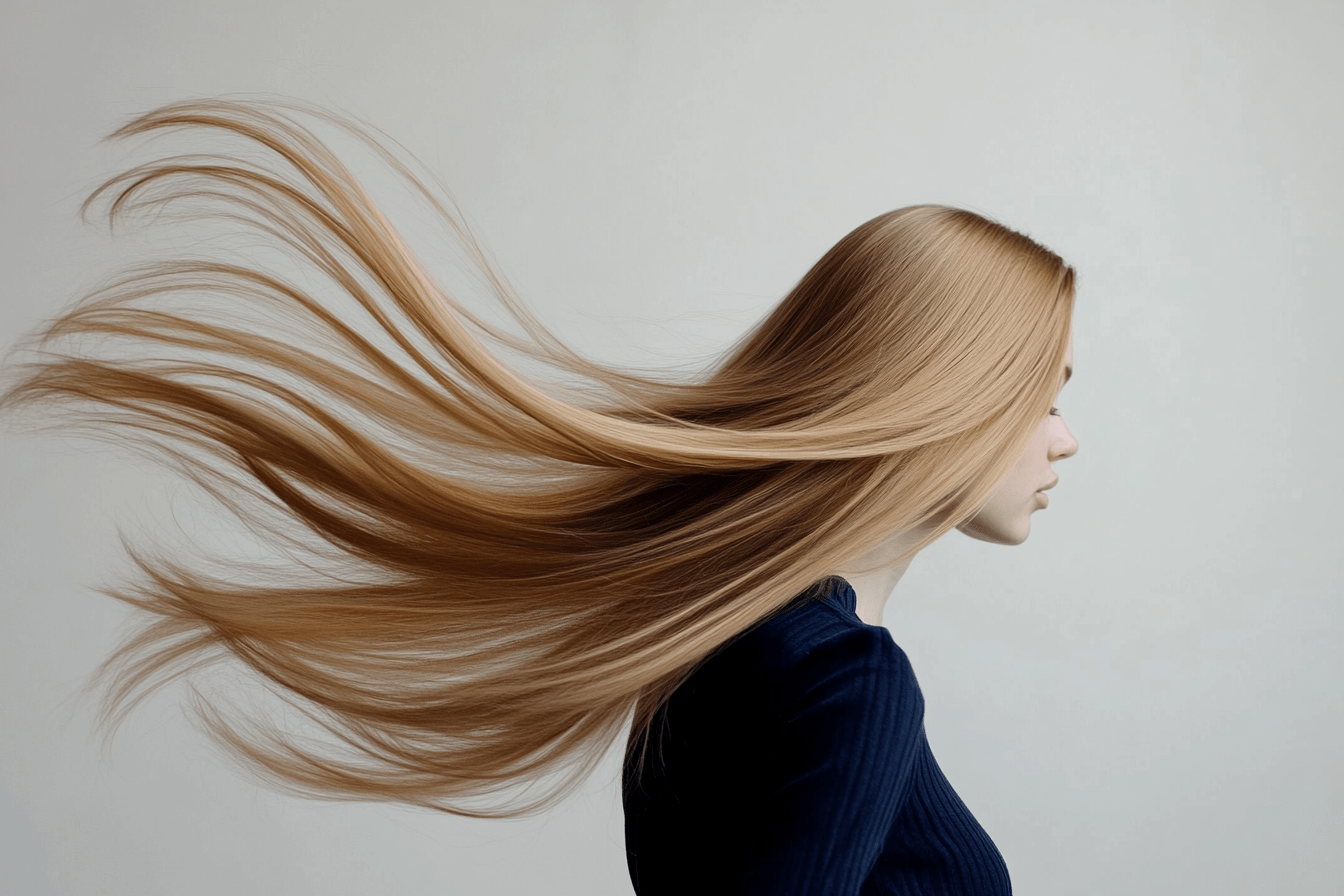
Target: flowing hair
{"x":486,"y":576}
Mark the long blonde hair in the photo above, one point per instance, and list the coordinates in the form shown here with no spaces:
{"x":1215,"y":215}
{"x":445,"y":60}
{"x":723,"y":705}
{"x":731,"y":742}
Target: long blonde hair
{"x":488,"y":573}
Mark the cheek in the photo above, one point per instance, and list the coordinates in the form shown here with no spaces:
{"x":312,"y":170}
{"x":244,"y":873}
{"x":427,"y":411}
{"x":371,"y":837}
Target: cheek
{"x":1032,"y":468}
{"x":1019,"y":485}
{"x":1006,"y":516}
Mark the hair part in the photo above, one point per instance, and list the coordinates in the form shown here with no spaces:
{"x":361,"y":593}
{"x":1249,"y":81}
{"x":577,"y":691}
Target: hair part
{"x":500,"y":574}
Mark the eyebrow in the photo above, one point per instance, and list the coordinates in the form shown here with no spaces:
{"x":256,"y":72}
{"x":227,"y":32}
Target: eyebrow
{"x":1068,"y":373}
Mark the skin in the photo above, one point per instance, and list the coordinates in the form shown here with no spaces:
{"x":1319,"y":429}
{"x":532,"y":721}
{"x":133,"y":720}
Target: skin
{"x":1003,"y":519}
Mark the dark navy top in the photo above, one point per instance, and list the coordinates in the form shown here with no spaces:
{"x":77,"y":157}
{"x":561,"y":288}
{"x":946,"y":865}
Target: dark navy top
{"x":793,"y":761}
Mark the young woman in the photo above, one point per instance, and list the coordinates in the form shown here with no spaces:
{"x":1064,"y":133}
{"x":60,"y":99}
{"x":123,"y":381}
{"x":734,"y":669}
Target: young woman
{"x":480,"y":579}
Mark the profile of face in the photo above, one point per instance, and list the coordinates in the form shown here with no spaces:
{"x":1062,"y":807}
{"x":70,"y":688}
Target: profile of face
{"x":1006,"y":517}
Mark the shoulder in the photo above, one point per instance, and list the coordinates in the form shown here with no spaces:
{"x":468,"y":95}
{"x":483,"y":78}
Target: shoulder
{"x":847,"y":713}
{"x":818,"y":650}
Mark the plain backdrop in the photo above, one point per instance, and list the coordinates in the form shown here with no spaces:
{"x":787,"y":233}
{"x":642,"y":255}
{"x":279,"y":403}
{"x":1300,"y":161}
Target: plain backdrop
{"x":1143,"y":698}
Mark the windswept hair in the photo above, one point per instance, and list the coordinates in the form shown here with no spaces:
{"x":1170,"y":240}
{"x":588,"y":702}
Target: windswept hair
{"x":486,"y":573}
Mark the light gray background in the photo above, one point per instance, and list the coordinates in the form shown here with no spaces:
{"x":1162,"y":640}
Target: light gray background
{"x":1144,"y":698}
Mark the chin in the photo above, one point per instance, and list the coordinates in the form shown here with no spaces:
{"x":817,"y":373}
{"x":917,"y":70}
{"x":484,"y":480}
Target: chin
{"x":997,"y":531}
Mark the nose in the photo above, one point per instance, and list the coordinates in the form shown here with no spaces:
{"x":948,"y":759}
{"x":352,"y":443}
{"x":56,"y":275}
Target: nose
{"x":1062,"y":442}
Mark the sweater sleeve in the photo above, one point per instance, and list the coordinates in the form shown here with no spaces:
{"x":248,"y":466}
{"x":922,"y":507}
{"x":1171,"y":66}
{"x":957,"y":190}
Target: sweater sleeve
{"x":840,"y":767}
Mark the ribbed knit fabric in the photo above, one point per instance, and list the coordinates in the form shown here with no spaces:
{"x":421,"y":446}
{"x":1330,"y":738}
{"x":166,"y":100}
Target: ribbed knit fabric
{"x":794,"y":761}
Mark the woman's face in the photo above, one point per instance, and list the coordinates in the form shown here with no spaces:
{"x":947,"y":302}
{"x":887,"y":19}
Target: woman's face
{"x":1006,"y":517}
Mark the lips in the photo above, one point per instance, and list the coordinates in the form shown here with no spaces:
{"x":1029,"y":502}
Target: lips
{"x":1041,"y":493}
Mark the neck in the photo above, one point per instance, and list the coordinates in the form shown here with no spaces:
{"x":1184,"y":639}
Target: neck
{"x":874,"y":575}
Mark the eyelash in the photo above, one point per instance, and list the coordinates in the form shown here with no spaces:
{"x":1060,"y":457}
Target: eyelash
{"x":1054,"y":412}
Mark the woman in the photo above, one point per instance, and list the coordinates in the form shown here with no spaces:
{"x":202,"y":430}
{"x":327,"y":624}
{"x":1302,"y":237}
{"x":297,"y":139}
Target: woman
{"x":487,"y":577}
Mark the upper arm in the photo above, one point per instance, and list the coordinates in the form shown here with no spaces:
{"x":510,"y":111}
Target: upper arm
{"x":839,"y":767}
